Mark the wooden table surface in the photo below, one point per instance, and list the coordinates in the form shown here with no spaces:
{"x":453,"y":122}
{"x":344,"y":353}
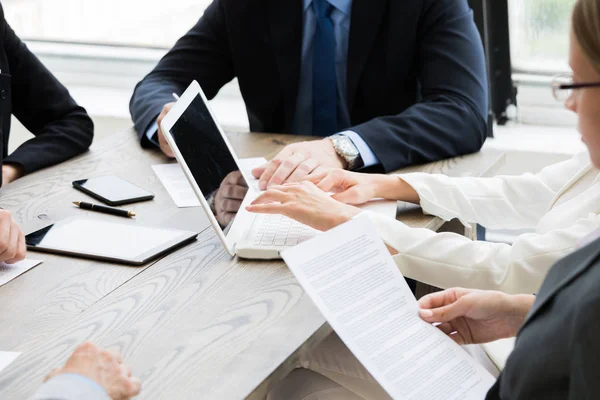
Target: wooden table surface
{"x":194,"y":324}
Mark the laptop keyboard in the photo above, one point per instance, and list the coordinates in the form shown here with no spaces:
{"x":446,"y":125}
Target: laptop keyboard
{"x":278,"y":230}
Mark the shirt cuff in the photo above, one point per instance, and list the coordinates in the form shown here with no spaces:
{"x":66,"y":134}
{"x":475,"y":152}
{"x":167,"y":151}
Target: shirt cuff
{"x":151,"y":133}
{"x":71,"y":386}
{"x":366,"y":154}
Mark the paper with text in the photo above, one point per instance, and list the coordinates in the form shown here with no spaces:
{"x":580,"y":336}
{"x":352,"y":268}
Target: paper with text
{"x":355,"y":283}
{"x":8,"y":272}
{"x":6,"y":358}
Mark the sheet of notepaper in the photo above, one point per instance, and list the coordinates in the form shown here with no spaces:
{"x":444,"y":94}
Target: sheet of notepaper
{"x":351,"y":277}
{"x":8,"y":272}
{"x":6,"y":358}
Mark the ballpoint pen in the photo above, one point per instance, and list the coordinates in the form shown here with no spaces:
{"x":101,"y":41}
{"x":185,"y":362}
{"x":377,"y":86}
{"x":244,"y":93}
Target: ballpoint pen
{"x":103,"y":209}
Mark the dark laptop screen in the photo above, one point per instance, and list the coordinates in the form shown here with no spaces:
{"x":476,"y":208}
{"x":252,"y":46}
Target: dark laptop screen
{"x":210,"y":161}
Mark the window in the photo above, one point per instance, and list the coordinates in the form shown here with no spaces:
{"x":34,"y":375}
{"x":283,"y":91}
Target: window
{"x":140,"y":23}
{"x":539,"y":34}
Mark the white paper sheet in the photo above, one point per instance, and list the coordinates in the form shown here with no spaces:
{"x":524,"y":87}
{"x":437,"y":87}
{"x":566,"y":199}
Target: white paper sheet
{"x":176,"y":184}
{"x":8,"y":272}
{"x":353,"y":280}
{"x":6,"y":358}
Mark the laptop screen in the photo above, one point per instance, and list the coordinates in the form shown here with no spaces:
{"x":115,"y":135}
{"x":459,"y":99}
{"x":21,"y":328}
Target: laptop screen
{"x":211,"y":163}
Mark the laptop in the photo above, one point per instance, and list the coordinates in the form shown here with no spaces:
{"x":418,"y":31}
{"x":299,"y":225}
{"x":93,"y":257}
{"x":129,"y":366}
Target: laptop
{"x":207,"y":158}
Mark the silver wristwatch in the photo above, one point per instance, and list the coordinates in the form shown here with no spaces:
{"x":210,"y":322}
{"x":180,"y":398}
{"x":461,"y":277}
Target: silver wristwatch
{"x":345,"y":148}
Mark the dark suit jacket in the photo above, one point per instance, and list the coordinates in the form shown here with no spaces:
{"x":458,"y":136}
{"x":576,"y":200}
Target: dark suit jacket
{"x":28,"y":90}
{"x":417,"y":88}
{"x":557,"y":353}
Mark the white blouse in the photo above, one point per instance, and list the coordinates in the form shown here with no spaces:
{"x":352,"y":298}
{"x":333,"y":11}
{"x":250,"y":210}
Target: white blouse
{"x":562,"y":203}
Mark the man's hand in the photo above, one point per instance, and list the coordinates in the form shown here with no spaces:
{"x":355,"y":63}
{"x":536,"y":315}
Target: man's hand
{"x":164,"y":146}
{"x":229,"y":197}
{"x":476,"y":316}
{"x":105,"y":368}
{"x":12,"y":240}
{"x":296,"y":161}
{"x":11,"y":173}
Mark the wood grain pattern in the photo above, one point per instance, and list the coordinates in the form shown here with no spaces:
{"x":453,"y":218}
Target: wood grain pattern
{"x":195,"y":324}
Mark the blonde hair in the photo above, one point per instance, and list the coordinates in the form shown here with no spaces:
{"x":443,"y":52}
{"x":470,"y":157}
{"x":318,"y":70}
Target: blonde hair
{"x":586,"y":27}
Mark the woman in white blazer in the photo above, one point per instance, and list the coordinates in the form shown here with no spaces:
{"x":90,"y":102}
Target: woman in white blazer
{"x":562,"y":203}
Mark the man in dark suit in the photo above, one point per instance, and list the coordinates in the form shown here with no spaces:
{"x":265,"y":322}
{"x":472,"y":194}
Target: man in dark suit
{"x":389,"y":83}
{"x":62,"y":129}
{"x":31,"y":93}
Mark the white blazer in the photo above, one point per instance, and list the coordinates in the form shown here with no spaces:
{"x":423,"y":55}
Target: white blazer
{"x":562,"y":203}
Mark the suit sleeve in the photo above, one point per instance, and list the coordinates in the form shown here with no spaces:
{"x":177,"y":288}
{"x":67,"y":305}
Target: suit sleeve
{"x":585,"y":346}
{"x":451,"y":117}
{"x":70,"y":387}
{"x":502,"y":202}
{"x":62,"y":129}
{"x":448,"y":260}
{"x":203,"y":54}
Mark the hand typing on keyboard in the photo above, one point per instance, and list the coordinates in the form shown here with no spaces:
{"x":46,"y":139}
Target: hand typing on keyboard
{"x":305,"y":203}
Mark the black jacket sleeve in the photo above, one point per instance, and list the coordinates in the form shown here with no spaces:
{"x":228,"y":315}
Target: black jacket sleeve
{"x":203,"y":54}
{"x":62,"y":129}
{"x":451,"y":117}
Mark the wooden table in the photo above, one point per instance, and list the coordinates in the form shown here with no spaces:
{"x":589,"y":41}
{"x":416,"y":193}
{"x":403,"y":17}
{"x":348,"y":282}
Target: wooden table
{"x":195,"y":324}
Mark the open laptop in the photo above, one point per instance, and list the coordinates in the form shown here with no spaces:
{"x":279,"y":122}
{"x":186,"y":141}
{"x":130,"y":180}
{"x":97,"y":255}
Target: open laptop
{"x":207,"y":158}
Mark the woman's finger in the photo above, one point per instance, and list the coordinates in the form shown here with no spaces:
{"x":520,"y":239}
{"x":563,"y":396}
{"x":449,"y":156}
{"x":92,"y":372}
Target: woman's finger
{"x":446,"y":313}
{"x":316,"y":176}
{"x":269,"y":208}
{"x":272,"y":195}
{"x":446,"y":327}
{"x":350,"y":196}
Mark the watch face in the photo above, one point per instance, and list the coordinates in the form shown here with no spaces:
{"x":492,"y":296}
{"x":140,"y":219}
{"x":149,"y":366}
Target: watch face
{"x":348,"y":148}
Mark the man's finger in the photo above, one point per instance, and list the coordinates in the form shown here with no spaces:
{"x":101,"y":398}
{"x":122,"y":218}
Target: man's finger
{"x":230,"y":205}
{"x":235,"y":192}
{"x":258,"y":171}
{"x":303,"y":170}
{"x":269,"y":169}
{"x":287,"y":167}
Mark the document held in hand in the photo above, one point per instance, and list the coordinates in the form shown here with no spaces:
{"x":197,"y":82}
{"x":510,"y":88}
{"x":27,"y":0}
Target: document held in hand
{"x":351,"y":277}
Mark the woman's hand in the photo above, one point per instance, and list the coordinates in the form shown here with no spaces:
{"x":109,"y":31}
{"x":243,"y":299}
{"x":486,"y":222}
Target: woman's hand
{"x":476,"y":316}
{"x":305,"y":203}
{"x":356,"y":188}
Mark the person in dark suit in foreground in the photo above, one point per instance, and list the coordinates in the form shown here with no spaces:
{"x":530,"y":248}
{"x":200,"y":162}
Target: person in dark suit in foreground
{"x":557,"y":331}
{"x":35,"y":97}
{"x":387,"y":83}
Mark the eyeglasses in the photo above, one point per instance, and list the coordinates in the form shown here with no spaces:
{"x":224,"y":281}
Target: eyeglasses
{"x":562,"y":86}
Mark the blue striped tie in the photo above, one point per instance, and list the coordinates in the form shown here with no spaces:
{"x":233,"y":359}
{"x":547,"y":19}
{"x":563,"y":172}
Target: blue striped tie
{"x":324,"y":79}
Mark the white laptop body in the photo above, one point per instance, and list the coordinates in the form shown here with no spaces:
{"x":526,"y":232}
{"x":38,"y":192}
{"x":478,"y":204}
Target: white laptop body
{"x":206,"y":157}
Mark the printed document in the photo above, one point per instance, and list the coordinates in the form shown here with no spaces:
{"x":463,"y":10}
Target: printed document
{"x":351,"y":277}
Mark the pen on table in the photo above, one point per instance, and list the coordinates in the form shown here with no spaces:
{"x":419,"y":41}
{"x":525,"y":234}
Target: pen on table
{"x":175,"y":96}
{"x":103,"y":209}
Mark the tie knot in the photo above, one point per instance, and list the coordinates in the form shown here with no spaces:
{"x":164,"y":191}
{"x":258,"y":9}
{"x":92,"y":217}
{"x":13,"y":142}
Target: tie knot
{"x":322,"y":8}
